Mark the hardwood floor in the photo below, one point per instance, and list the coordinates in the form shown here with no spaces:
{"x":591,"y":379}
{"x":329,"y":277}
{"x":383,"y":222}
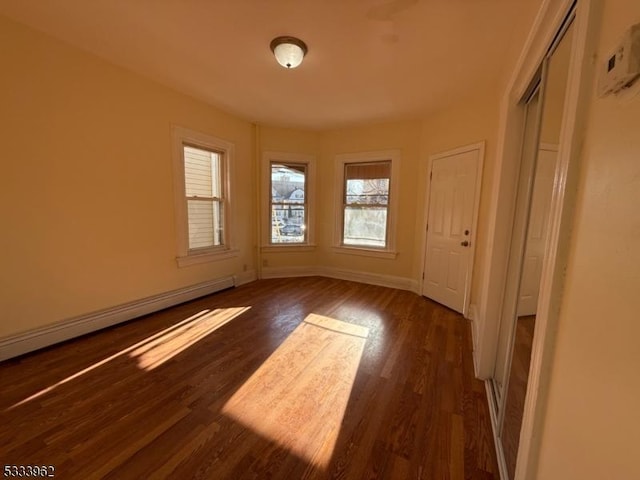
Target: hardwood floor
{"x":284,"y":379}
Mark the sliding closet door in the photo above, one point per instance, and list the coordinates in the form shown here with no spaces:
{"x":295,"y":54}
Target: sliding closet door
{"x":527,"y":163}
{"x":544,"y":115}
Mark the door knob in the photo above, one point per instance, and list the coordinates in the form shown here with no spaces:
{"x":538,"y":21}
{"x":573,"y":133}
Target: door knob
{"x":465,"y":243}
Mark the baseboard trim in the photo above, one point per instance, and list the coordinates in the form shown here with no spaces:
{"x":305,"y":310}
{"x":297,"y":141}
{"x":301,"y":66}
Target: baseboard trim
{"x":390,"y":281}
{"x":74,"y":327}
{"x":286,"y":272}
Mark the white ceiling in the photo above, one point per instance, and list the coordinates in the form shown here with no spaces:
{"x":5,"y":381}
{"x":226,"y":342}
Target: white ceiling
{"x":368,"y":60}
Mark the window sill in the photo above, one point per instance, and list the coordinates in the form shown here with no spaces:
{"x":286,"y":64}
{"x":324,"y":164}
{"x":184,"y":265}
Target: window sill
{"x":365,"y":252}
{"x":301,"y":247}
{"x":204,"y":257}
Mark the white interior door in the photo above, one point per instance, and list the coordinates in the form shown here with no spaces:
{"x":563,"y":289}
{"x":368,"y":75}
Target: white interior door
{"x":452,"y":204}
{"x":537,"y":231}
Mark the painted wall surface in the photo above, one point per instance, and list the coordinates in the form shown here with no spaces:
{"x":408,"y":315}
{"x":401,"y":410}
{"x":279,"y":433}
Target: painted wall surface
{"x":474,"y":121}
{"x":86,"y":183}
{"x":592,"y":424}
{"x":403,"y":136}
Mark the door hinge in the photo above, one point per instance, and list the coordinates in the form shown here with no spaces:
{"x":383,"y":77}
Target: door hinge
{"x":423,"y":275}
{"x":430,"y":175}
{"x":427,"y":227}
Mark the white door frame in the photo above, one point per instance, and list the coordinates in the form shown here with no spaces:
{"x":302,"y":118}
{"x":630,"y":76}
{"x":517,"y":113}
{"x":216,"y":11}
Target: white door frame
{"x":479,"y":147}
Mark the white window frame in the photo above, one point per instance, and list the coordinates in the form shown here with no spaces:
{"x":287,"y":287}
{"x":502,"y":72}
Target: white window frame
{"x":182,"y":137}
{"x":268,"y":157}
{"x":392,"y":207}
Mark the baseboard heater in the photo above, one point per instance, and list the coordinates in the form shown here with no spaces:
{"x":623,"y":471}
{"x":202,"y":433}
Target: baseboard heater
{"x":22,"y":343}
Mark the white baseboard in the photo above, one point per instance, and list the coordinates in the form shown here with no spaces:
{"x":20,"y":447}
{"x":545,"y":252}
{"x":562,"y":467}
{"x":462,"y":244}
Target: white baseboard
{"x":285,"y":272}
{"x":245,"y":277}
{"x":390,"y":281}
{"x":74,"y":327}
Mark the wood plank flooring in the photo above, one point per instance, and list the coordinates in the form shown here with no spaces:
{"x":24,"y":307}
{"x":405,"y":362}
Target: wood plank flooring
{"x":284,"y":379}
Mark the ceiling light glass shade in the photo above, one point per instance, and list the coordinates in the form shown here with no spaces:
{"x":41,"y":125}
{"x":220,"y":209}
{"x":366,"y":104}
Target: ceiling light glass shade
{"x":289,"y":51}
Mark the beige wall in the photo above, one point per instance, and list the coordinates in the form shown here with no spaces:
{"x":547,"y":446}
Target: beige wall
{"x":592,"y":423}
{"x":470,"y":122}
{"x":86,"y":192}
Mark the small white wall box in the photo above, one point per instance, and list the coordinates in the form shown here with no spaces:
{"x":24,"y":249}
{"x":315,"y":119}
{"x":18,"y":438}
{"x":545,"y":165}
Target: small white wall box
{"x":622,"y":67}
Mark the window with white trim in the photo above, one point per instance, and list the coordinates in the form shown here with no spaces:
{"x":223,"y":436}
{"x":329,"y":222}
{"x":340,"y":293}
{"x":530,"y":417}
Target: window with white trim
{"x":365,"y":204}
{"x":288,"y":202}
{"x":367,"y":189}
{"x":202,"y":183}
{"x":205,"y":197}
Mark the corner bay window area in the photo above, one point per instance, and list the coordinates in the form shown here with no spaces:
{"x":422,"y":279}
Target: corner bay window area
{"x":202,"y":182}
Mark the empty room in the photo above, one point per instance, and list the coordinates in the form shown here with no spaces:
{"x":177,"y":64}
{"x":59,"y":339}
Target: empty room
{"x":389,"y":239}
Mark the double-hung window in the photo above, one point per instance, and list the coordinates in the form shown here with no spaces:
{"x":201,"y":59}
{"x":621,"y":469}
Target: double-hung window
{"x":365,"y":204}
{"x":288,"y":204}
{"x":202,"y":182}
{"x":367,"y":187}
{"x":205,"y":197}
{"x":287,"y":201}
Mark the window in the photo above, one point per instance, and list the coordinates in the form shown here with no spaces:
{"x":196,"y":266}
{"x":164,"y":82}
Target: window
{"x":366,"y":221}
{"x":287,"y":201}
{"x":366,"y":199}
{"x":203,"y":172}
{"x":202,"y":165}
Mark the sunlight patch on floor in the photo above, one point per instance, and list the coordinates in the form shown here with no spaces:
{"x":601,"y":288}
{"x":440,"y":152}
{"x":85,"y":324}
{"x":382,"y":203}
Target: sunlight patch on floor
{"x":298,"y":396}
{"x":156,"y":352}
{"x":160,"y":347}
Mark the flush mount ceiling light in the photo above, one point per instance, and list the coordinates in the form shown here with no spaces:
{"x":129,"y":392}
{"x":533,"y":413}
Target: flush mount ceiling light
{"x":289,"y":51}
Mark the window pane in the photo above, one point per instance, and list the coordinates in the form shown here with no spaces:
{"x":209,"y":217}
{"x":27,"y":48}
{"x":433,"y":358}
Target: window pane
{"x":365,"y":226}
{"x":367,"y":191}
{"x":288,"y":183}
{"x":202,"y":173}
{"x":197,"y":172}
{"x":205,"y":223}
{"x":288,"y":223}
{"x":288,"y":215}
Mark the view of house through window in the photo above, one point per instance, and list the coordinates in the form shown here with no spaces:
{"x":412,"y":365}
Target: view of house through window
{"x":366,"y":202}
{"x":204,"y":190}
{"x":288,"y":204}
